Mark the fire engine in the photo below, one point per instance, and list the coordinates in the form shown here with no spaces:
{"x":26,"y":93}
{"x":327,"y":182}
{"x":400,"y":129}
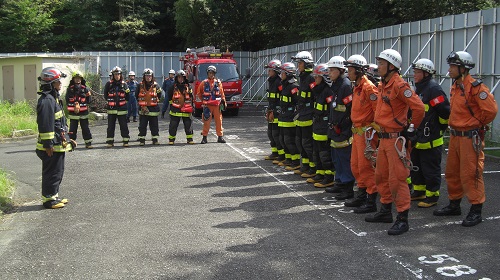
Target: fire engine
{"x":196,"y":62}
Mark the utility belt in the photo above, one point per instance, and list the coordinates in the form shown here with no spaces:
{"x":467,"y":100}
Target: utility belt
{"x":467,"y":133}
{"x":389,"y":135}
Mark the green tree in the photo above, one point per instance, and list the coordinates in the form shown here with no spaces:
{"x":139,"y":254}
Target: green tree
{"x":27,"y":25}
{"x":193,"y":21}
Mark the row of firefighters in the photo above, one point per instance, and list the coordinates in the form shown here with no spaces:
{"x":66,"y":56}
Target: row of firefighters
{"x":122,"y":94}
{"x":348,"y":121}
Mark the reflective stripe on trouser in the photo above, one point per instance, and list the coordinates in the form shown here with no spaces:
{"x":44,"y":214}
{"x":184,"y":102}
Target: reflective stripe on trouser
{"x":174,"y":124}
{"x":342,"y":162}
{"x":73,"y":129}
{"x":322,"y":156}
{"x":391,"y":174}
{"x":304,"y":141}
{"x":52,"y":172}
{"x":361,"y":167}
{"x":429,"y":169}
{"x":273,"y":133}
{"x":153,"y":126}
{"x":460,"y":171}
{"x":217,"y":115}
{"x":289,"y":138}
{"x":122,"y":121}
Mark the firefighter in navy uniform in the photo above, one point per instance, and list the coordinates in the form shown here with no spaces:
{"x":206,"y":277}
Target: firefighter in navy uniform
{"x":365,"y":140}
{"x":428,"y":143}
{"x":305,"y":102}
{"x":340,"y":131}
{"x":288,"y":103}
{"x":472,"y":108}
{"x":53,"y":140}
{"x":180,"y":97}
{"x":78,"y":98}
{"x":148,"y":94}
{"x":322,"y":157}
{"x":132,"y":102}
{"x":273,"y":98}
{"x":116,"y":93}
{"x":391,"y":122}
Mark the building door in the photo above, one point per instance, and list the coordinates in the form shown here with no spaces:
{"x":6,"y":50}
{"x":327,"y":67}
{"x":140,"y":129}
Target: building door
{"x":8,"y":82}
{"x":30,"y":82}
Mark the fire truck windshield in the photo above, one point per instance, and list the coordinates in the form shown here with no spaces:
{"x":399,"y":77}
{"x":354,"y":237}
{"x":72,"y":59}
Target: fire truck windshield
{"x":225,"y":71}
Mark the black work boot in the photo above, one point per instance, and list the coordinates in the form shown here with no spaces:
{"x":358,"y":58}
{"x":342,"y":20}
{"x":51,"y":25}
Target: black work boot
{"x":204,"y":140}
{"x":327,"y":181}
{"x":382,"y":216}
{"x":272,"y":156}
{"x":221,"y":139}
{"x":401,"y":225}
{"x":317,"y":178}
{"x":359,"y":200}
{"x":336,"y":188}
{"x":369,"y":206}
{"x":453,"y":209}
{"x":347,"y":192}
{"x":474,"y":216}
{"x":417,"y":195}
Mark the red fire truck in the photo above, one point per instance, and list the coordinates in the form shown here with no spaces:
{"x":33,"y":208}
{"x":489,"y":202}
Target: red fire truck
{"x":196,"y":62}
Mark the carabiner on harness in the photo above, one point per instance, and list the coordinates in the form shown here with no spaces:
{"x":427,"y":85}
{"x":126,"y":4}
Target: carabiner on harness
{"x":370,"y":153}
{"x":402,"y":154}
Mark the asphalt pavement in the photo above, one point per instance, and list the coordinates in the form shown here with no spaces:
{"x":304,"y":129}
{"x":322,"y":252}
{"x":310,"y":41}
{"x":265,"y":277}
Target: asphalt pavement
{"x":219,"y":211}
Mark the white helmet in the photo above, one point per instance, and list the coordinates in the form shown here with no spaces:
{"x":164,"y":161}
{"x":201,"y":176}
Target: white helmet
{"x":147,"y":71}
{"x":461,"y":58}
{"x":172,"y":71}
{"x":337,"y":62}
{"x":131,"y":73}
{"x":304,"y":56}
{"x":116,"y":69}
{"x":357,"y":61}
{"x":424,"y":64}
{"x":391,"y":56}
{"x":211,"y":68}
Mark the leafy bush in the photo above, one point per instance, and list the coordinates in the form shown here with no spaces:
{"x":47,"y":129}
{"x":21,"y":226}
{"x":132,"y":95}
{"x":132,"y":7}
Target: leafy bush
{"x":17,"y":116}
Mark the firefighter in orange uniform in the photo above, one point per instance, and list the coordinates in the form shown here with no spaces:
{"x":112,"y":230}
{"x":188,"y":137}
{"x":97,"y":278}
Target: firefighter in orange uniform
{"x":148,"y":94}
{"x":364,"y":103}
{"x":391,"y":121}
{"x":210,"y":91}
{"x":472,"y":108}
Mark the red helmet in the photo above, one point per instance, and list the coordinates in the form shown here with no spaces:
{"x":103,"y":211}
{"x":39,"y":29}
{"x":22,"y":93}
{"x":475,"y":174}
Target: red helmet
{"x":289,"y":68}
{"x":321,"y":70}
{"x":274,"y":64}
{"x":50,"y":75}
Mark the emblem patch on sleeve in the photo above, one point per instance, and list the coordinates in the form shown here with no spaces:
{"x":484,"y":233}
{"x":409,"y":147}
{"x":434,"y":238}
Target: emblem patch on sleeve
{"x":483,"y":95}
{"x":373,"y":97}
{"x":408,"y":93}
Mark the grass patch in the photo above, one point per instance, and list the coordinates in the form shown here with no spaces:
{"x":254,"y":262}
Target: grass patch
{"x":17,"y":116}
{"x":6,"y":188}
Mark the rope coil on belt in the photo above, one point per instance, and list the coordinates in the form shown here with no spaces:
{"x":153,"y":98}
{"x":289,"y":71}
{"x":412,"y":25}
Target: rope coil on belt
{"x":402,"y":154}
{"x":369,"y":152}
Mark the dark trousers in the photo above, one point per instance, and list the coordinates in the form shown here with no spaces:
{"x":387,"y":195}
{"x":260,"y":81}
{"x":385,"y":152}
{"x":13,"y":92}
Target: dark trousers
{"x":174,"y":124}
{"x":342,"y":162}
{"x":304,"y":140}
{"x":322,"y":156}
{"x":52,"y":172}
{"x":153,"y":126}
{"x":289,"y":140}
{"x":273,"y":132}
{"x":429,"y":163}
{"x":282,"y":142}
{"x":73,"y":129}
{"x":132,"y":107}
{"x":122,"y":121}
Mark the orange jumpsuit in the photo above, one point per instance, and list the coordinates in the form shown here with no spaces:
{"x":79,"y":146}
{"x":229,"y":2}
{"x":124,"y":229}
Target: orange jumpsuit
{"x":464,"y":166}
{"x":364,"y":103}
{"x":214,"y":109}
{"x":394,"y":101}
